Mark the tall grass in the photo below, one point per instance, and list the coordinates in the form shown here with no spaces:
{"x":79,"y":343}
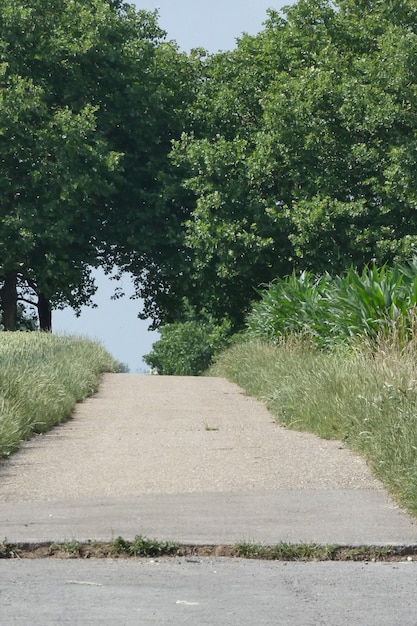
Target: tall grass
{"x":42,"y":377}
{"x":337,"y":356}
{"x":365,"y":396}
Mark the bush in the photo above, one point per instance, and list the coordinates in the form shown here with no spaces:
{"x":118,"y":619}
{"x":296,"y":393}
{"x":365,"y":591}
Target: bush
{"x":187,"y":348}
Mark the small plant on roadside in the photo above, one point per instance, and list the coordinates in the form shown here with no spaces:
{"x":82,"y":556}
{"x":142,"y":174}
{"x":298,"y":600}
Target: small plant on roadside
{"x":248,"y":550}
{"x":141,"y":546}
{"x":6,"y":550}
{"x":286,"y":551}
{"x":72,"y":547}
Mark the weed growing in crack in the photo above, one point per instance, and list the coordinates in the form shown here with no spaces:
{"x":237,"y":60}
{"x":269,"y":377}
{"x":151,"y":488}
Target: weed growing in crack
{"x":141,"y":546}
{"x":6,"y":550}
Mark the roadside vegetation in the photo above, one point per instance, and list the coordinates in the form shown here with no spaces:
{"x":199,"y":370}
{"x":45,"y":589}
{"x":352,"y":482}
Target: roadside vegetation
{"x":331,"y":311}
{"x":42,"y":377}
{"x":143,"y":548}
{"x":343,"y":369}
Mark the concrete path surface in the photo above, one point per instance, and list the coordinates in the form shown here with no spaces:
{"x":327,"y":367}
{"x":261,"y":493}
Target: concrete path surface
{"x":191,"y":460}
{"x":206,"y":592}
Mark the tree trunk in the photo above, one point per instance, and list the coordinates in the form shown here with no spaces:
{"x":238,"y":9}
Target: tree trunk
{"x":45,"y":313}
{"x":8,"y":297}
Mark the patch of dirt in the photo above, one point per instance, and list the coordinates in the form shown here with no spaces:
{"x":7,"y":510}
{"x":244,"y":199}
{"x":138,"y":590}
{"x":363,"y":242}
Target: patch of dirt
{"x":103,"y":550}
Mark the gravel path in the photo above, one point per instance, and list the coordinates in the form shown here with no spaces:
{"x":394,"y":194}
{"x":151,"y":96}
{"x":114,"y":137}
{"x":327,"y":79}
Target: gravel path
{"x":148,"y":435}
{"x":192,"y":460}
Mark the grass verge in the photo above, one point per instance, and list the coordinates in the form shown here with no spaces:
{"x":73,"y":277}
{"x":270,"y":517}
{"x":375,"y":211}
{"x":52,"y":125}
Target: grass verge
{"x":42,"y":377}
{"x":141,"y":547}
{"x":366,"y":398}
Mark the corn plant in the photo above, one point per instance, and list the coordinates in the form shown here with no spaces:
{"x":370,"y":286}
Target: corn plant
{"x":334,"y":310}
{"x":293,"y":305}
{"x":368,"y":303}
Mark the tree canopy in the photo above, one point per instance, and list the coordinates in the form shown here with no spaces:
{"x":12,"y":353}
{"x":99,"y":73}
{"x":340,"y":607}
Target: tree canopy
{"x":205,"y":175}
{"x":302,"y":153}
{"x":90,"y":98}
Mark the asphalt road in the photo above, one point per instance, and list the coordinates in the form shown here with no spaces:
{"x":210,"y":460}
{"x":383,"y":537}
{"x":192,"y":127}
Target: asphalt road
{"x":206,"y":591}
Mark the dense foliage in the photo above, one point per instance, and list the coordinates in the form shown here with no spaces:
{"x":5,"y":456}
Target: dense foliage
{"x":187,"y":348}
{"x":302,"y":151}
{"x":206,"y":176}
{"x":331,"y":311}
{"x":90,"y":99}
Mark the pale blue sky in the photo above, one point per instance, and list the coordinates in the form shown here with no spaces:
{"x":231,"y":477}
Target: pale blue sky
{"x":211,"y":24}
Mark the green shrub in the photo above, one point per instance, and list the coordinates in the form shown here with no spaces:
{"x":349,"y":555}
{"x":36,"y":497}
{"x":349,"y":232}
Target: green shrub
{"x":187,"y":349}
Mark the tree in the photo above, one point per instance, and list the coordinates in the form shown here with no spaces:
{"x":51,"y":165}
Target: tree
{"x":233,"y":242}
{"x":46,"y":189}
{"x":340,"y":125}
{"x":149,"y":240}
{"x":90,"y":99}
{"x":302,"y":151}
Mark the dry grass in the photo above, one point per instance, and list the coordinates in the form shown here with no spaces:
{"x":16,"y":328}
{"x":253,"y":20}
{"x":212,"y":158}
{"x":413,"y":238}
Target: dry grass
{"x":42,"y":376}
{"x":365,"y":397}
